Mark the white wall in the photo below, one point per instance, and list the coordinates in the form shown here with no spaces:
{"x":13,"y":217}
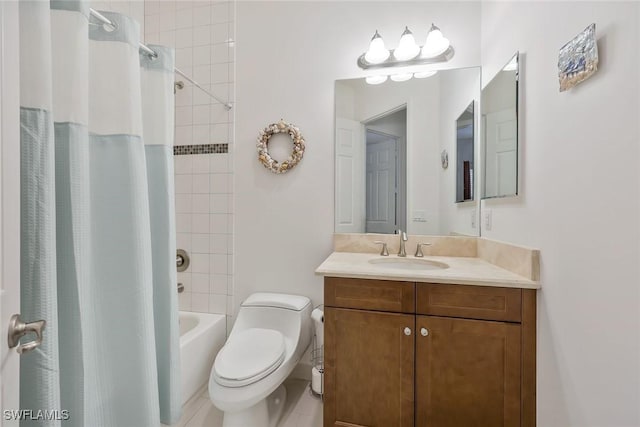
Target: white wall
{"x":462,"y":88}
{"x":345,"y":101}
{"x":579,"y":204}
{"x":289,"y":55}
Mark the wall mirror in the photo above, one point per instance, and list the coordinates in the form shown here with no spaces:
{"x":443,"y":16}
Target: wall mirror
{"x":388,"y":140}
{"x":465,"y":141}
{"x":500,"y":133}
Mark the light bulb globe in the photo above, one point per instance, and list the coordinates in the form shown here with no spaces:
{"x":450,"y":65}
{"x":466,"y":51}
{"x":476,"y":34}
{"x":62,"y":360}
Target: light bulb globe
{"x":407,"y":47}
{"x":403,"y":77}
{"x":376,"y":80}
{"x":436,"y":44}
{"x":424,"y":74}
{"x":377,"y":52}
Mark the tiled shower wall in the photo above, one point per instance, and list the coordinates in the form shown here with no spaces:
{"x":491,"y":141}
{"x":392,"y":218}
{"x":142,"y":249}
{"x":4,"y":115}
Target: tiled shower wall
{"x":204,"y":224}
{"x":202,"y":33}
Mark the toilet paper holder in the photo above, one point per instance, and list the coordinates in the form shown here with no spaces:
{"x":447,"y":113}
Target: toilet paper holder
{"x":317,"y":352}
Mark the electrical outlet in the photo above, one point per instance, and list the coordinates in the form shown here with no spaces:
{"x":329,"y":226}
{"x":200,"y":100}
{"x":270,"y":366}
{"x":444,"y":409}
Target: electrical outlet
{"x":486,"y":219}
{"x":473,"y":218}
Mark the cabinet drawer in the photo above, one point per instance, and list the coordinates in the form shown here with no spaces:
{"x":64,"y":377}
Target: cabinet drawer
{"x":471,"y":302}
{"x":382,"y":295}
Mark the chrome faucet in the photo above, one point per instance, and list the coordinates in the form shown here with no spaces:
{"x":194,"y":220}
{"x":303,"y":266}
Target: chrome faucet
{"x":403,"y":239}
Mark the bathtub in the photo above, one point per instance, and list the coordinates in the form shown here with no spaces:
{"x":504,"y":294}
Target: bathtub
{"x":202,"y":335}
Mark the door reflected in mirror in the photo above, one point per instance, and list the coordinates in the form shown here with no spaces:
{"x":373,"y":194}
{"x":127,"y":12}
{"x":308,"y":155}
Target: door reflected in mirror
{"x":389,"y":137}
{"x":385,"y":186}
{"x":465,"y":141}
{"x":500,"y":133}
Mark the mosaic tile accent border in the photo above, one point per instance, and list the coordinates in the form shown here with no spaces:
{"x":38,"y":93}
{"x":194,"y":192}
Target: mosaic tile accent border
{"x":180,"y":150}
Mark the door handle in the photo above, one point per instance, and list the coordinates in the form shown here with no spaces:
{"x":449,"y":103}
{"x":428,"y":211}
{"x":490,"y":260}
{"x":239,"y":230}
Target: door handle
{"x":18,"y":329}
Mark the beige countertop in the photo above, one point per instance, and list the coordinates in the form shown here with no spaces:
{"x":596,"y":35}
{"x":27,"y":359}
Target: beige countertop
{"x":462,"y":270}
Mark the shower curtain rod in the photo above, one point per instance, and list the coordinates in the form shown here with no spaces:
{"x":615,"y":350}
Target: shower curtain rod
{"x":148,"y":51}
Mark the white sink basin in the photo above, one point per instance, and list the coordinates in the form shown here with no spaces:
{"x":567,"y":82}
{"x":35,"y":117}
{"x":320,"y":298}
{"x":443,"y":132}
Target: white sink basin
{"x":408,"y":263}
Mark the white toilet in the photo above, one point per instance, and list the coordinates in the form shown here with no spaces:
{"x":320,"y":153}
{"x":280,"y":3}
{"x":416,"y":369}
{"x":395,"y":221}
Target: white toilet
{"x":271,"y":333}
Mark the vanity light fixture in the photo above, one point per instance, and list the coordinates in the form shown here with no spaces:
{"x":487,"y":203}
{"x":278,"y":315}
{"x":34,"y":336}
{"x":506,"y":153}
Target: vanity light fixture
{"x":437,"y":48}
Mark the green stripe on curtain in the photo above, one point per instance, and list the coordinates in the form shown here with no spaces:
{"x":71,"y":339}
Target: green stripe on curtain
{"x":39,"y":375}
{"x":73,"y":260}
{"x":158,"y":109}
{"x":119,"y":313}
{"x":165,"y":295}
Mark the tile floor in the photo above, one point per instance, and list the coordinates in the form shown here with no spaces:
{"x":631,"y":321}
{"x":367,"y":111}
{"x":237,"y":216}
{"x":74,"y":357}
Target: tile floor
{"x":301,"y":409}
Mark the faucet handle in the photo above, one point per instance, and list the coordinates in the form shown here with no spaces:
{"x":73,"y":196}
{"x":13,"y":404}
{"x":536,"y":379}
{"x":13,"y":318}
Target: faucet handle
{"x":384,"y":251}
{"x":419,"y":253}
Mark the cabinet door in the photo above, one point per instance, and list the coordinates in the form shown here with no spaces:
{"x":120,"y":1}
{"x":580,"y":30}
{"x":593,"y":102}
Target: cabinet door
{"x":369,"y":368}
{"x":467,"y":373}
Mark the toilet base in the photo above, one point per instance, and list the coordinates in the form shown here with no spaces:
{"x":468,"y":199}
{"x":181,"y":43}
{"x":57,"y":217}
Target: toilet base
{"x":265,"y":413}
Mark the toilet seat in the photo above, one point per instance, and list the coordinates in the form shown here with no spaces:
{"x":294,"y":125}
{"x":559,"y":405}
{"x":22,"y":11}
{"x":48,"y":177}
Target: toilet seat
{"x":251,"y":355}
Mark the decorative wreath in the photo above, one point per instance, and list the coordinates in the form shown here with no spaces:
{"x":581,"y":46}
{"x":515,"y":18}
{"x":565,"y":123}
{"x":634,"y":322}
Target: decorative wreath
{"x":263,"y":142}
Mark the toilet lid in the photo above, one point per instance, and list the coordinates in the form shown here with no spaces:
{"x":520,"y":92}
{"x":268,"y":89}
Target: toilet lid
{"x":249,"y":356}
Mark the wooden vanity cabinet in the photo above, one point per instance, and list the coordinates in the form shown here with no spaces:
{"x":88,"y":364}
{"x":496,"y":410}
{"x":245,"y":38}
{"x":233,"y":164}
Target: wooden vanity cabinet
{"x":428,"y":355}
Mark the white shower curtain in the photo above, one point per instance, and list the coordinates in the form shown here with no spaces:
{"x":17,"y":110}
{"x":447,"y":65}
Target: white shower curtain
{"x":98,"y":233}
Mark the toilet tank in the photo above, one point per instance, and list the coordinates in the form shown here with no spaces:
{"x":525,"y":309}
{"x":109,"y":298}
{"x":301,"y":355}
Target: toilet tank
{"x":289,"y":314}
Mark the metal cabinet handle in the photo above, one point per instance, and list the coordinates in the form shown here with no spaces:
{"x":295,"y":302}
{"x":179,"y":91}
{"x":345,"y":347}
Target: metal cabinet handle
{"x":407,"y":331}
{"x":424,"y":332}
{"x":18,"y":329}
